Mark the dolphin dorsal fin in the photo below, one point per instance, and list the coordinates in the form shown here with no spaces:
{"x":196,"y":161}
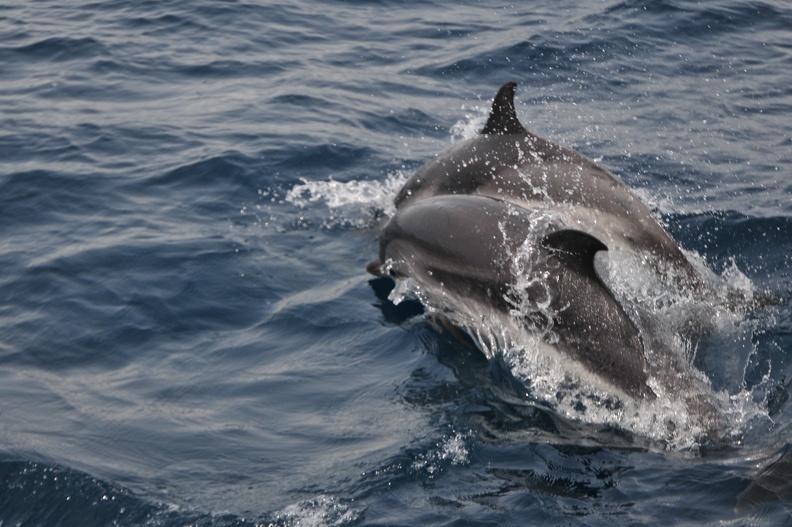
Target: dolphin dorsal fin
{"x":576,"y":249}
{"x":502,"y":118}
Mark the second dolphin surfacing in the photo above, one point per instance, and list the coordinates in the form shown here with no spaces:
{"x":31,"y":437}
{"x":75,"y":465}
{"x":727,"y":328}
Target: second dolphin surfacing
{"x":464,"y":244}
{"x":473,"y":221}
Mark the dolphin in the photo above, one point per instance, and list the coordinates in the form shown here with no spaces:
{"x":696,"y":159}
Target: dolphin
{"x":462,"y":217}
{"x":508,"y":163}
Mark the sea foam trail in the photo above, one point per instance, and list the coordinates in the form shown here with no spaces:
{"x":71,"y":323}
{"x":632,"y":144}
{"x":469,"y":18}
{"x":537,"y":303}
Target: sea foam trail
{"x":356,"y":203}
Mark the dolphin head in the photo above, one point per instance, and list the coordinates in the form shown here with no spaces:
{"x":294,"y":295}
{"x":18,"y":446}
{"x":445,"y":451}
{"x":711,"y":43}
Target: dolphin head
{"x":458,"y":244}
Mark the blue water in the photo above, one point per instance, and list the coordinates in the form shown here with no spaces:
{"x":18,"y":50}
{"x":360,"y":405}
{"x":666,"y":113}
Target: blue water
{"x":190,"y":191}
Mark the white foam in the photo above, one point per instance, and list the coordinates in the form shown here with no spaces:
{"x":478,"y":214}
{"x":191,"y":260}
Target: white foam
{"x":450,"y":450}
{"x":321,"y":511}
{"x":355,"y":203}
{"x":471,"y":124}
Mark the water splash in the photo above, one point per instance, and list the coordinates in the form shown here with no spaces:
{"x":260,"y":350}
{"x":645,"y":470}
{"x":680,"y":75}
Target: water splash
{"x":471,"y":124}
{"x":321,"y":511}
{"x":451,"y":450}
{"x":358,"y":204}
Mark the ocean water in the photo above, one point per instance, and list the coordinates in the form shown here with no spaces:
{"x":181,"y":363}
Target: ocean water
{"x":190,"y":191}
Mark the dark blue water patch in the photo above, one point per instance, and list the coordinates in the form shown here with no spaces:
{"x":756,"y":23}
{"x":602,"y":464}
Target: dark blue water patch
{"x":423,"y":464}
{"x":201,"y":23}
{"x":228,"y":68}
{"x":294,"y":102}
{"x":38,"y":493}
{"x":185,"y":32}
{"x":319,"y":161}
{"x":169,"y":71}
{"x":549,"y":60}
{"x":56,"y":49}
{"x":19,"y":149}
{"x":44,"y":197}
{"x":297,"y":100}
{"x":289,"y":27}
{"x":548,"y":484}
{"x":522,"y":58}
{"x":755,"y":16}
{"x":353,"y":128}
{"x":365,"y":53}
{"x":305,"y":113}
{"x":693,"y":22}
{"x":459,"y":384}
{"x":759,"y":246}
{"x":666,"y":177}
{"x":410,"y":121}
{"x":79,"y":86}
{"x":207,"y":183}
{"x":159,"y":22}
{"x":133,"y":149}
{"x":90,"y":145}
{"x":129,"y":311}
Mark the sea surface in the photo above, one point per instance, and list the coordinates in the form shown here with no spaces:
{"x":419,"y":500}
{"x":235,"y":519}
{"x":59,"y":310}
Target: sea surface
{"x":190,"y":192}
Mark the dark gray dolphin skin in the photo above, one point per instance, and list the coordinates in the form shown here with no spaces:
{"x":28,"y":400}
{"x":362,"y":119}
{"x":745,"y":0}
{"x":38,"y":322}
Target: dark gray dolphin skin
{"x":463,"y":245}
{"x":509,"y":163}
